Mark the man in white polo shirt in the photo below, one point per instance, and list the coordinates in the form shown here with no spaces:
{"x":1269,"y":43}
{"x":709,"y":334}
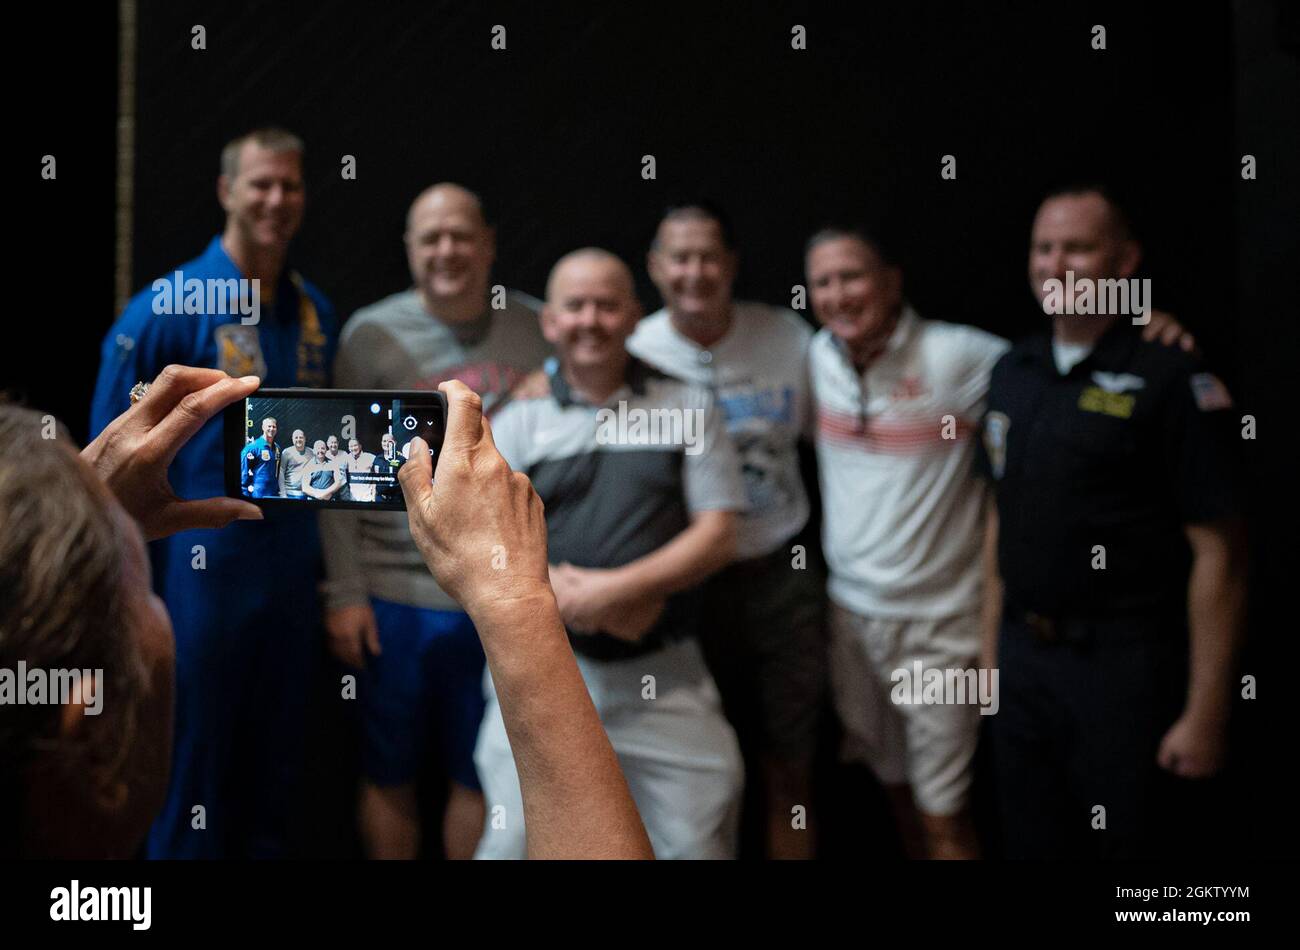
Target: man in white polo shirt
{"x":762,"y":627}
{"x":897,"y":400}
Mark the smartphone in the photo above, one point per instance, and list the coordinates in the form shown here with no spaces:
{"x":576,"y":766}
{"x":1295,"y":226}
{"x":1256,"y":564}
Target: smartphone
{"x":327,"y":448}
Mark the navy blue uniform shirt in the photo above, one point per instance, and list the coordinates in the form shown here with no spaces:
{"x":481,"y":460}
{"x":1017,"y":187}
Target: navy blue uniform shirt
{"x":1111,"y":460}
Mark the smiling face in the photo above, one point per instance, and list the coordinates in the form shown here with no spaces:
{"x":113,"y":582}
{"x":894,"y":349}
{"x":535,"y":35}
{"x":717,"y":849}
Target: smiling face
{"x":591,"y":309}
{"x":854,"y":294}
{"x":449,"y":247}
{"x":1079,"y":233}
{"x":354,"y":448}
{"x":332,"y":443}
{"x":269,"y":428}
{"x":264,"y":199}
{"x":319,"y":449}
{"x":299,"y":439}
{"x":693,"y":268}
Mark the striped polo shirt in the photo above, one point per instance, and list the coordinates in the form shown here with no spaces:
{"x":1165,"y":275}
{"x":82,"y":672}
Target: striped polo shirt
{"x":901,"y":527}
{"x":622,"y":479}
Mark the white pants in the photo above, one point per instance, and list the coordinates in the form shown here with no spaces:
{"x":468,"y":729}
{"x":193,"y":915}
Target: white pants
{"x":677,"y":751}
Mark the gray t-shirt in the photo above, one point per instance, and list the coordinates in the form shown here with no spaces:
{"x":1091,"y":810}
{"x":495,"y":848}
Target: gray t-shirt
{"x":292,"y":463}
{"x":397,"y":344}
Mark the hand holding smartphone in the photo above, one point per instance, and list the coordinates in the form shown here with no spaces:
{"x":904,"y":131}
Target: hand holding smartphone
{"x":327,"y":448}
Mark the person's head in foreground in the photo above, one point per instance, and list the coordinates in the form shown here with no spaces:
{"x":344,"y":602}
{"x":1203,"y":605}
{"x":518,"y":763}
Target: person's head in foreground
{"x":91,"y":770}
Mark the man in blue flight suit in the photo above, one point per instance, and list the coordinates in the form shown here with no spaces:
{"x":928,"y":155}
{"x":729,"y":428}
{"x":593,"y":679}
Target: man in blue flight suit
{"x":244,"y":600}
{"x":260,"y":476}
{"x":1115,"y":562}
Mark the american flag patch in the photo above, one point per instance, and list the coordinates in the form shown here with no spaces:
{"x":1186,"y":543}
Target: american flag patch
{"x":1210,"y":393}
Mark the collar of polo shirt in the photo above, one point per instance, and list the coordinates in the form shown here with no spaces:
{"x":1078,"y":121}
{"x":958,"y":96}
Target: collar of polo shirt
{"x":634,"y":375}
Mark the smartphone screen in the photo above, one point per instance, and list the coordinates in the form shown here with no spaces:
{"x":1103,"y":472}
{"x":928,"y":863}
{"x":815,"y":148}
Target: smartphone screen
{"x":327,"y":448}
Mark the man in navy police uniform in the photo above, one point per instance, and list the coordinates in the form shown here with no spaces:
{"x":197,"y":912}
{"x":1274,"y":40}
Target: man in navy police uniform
{"x":1116,"y":561}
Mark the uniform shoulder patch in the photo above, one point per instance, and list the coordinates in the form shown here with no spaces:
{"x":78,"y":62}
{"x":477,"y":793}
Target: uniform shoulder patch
{"x":996,"y":426}
{"x":1210,"y":393}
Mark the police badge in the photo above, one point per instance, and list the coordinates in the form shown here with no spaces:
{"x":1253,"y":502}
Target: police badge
{"x":239,"y":350}
{"x":996,"y":425}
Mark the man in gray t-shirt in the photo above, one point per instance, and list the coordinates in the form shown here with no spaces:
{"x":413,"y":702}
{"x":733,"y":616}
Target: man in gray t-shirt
{"x":292,"y":461}
{"x":421,"y":661}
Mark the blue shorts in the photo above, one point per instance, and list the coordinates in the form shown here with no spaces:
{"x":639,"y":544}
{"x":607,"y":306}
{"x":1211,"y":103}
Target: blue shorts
{"x":426,"y":682}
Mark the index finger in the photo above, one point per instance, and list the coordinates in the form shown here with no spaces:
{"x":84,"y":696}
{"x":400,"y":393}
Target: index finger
{"x":172,"y":385}
{"x":193,"y":409}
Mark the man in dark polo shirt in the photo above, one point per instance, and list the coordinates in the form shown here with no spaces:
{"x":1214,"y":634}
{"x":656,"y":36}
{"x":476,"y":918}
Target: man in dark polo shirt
{"x":641,"y":487}
{"x":1116,"y":543}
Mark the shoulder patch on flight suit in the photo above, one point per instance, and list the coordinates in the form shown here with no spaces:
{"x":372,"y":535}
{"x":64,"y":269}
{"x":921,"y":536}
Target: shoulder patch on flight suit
{"x":1210,"y":394}
{"x":239,"y":350}
{"x":996,"y":425}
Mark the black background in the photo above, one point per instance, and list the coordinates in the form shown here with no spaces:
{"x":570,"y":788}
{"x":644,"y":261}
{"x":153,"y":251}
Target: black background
{"x":552,"y":131}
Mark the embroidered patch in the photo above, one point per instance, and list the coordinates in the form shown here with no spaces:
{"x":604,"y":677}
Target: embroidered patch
{"x":1118,"y":382}
{"x":239,"y":350}
{"x":996,"y":425}
{"x":1116,"y":405}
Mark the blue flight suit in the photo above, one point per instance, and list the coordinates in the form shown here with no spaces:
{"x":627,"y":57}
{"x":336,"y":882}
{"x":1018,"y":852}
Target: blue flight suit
{"x":260,"y":470}
{"x":243,"y":600}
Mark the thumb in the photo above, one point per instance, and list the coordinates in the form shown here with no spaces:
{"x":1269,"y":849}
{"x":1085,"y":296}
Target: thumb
{"x":415,"y":475}
{"x":464,"y":416}
{"x":179,"y":516}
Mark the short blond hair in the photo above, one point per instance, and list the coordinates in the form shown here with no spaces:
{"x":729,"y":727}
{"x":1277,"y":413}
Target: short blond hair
{"x":271,"y":138}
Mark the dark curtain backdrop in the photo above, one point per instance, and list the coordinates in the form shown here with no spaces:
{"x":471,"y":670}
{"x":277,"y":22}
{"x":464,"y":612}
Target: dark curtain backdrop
{"x":552,"y":130}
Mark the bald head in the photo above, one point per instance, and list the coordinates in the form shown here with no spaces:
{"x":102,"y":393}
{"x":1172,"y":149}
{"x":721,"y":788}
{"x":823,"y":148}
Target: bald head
{"x":450,"y":249}
{"x":448,"y":195}
{"x":588,"y":261}
{"x":591,"y":309}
